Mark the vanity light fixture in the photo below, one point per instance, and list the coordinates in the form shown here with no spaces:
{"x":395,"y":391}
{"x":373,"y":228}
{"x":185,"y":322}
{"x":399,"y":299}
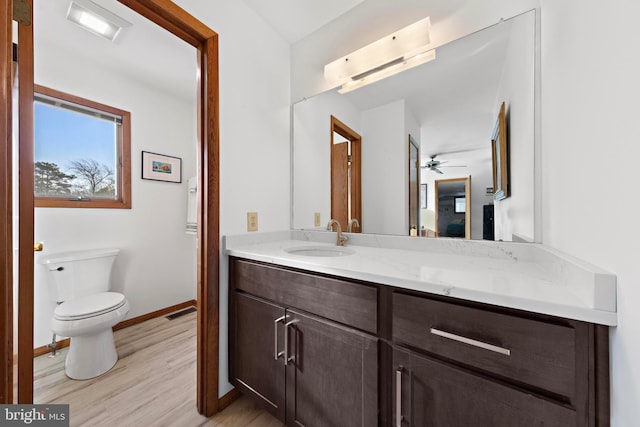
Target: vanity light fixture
{"x":95,"y":18}
{"x":399,"y":51}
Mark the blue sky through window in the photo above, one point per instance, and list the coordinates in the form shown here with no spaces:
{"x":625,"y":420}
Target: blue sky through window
{"x":62,"y":136}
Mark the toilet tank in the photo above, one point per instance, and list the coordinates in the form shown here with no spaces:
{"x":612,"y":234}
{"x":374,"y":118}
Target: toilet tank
{"x":79,"y":273}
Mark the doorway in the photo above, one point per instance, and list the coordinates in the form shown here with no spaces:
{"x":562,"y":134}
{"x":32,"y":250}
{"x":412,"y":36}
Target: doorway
{"x":346,"y":166}
{"x":414,"y":187}
{"x":177,"y":21}
{"x":453,"y":208}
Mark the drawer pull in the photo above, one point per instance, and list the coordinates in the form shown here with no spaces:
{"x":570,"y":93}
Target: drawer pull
{"x":472,"y":342}
{"x":276,"y":353}
{"x":399,"y":397}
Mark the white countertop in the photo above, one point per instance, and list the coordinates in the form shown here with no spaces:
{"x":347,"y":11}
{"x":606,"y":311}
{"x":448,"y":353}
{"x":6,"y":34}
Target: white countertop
{"x":523,"y":276}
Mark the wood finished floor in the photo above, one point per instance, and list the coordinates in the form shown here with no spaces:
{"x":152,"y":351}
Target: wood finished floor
{"x":153,"y":383}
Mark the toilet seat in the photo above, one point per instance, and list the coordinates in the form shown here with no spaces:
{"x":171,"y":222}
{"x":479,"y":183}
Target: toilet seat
{"x":89,"y":306}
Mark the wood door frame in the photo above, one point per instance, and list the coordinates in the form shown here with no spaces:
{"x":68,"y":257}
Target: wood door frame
{"x":416,"y":166}
{"x":174,"y":19}
{"x":467,"y":214}
{"x":6,"y":219}
{"x":356,"y":161}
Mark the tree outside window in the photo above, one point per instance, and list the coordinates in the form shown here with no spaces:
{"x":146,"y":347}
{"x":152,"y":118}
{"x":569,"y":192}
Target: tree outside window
{"x":82,"y":152}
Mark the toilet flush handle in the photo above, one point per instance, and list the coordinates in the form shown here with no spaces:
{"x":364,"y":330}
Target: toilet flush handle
{"x":57,"y":268}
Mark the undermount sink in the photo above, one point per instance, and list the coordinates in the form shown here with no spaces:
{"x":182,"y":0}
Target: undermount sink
{"x":320,"y":251}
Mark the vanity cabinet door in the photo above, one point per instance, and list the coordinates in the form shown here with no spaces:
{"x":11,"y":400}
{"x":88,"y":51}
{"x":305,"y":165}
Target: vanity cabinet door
{"x":256,"y":340}
{"x":428,"y":392}
{"x":332,"y":374}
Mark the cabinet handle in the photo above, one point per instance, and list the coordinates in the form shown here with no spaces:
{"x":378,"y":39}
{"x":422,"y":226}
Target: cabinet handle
{"x":276,"y":353}
{"x":472,"y":342}
{"x":399,"y":416}
{"x":287,"y":359}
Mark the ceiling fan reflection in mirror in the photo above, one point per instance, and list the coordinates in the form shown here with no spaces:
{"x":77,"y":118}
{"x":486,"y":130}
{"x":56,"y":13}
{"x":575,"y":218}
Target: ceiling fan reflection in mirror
{"x":435,"y":165}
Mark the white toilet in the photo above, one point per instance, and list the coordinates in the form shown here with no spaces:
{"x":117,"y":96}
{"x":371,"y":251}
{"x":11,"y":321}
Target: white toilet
{"x":80,"y":282}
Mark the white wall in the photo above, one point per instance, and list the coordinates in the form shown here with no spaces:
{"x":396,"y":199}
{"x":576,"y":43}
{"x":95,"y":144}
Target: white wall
{"x":254,"y":129}
{"x":157,"y":264}
{"x":514,"y":215}
{"x":384,"y":132}
{"x":590,"y":153}
{"x":384,"y":169}
{"x":312,"y":154}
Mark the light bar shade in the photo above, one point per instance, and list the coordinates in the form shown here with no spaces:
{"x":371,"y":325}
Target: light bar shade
{"x":414,"y":61}
{"x":96,"y":19}
{"x":392,"y":52}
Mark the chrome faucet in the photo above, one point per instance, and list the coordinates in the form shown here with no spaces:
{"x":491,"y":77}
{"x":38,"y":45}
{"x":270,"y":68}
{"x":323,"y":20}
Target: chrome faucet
{"x":353,"y":222}
{"x":341,"y":240}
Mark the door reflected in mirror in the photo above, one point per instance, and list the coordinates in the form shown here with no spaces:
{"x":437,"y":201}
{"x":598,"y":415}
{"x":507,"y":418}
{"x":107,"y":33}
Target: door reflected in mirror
{"x":453,"y":208}
{"x":346,"y":202}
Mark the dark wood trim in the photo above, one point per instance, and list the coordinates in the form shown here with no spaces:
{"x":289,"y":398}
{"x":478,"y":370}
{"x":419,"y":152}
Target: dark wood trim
{"x":25,"y":212}
{"x":124,"y":151}
{"x":228,"y":399}
{"x":174,"y":19}
{"x":154,"y":314}
{"x":209,"y":232}
{"x":6,"y":231}
{"x":467,"y":215}
{"x":602,"y":385}
{"x":356,"y":169}
{"x":39,"y":351}
{"x":179,"y":22}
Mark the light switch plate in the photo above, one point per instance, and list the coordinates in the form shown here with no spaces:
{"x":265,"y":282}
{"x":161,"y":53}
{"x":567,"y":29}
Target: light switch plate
{"x":252,"y":221}
{"x":316,"y":219}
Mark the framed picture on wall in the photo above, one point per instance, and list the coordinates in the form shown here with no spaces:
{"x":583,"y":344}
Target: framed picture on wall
{"x":423,"y":196}
{"x":160,"y":167}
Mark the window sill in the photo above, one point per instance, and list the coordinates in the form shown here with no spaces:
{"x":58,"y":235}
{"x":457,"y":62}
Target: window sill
{"x":45,"y":202}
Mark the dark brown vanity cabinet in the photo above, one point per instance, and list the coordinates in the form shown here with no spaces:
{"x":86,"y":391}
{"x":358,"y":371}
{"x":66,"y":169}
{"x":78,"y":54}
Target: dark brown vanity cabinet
{"x":305,"y":369}
{"x":360,"y":354}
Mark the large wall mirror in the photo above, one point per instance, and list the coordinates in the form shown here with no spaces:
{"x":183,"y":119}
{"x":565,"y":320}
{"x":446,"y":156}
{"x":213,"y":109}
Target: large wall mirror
{"x":449,"y":107}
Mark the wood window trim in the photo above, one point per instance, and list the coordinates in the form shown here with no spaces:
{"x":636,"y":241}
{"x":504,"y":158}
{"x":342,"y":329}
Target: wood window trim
{"x":124,"y":168}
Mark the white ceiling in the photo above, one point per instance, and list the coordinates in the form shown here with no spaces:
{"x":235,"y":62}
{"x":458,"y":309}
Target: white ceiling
{"x":143,"y":51}
{"x":295,"y":19}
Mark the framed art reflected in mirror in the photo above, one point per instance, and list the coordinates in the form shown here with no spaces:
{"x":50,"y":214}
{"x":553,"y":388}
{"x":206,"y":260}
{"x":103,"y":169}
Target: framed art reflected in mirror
{"x":500,"y":157}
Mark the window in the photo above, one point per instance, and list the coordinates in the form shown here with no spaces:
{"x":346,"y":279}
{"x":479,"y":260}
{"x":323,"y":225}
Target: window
{"x":460,"y":204}
{"x":82,"y":152}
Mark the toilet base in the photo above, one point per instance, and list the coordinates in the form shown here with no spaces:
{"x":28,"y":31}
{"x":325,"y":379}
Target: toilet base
{"x":90,"y":356}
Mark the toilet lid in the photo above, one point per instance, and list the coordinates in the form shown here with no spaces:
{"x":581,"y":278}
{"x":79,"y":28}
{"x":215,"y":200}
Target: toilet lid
{"x":89,"y":306}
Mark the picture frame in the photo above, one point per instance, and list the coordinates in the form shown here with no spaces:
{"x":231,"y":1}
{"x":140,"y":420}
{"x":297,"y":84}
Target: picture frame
{"x":160,"y":167}
{"x":423,"y":196}
{"x":500,"y":157}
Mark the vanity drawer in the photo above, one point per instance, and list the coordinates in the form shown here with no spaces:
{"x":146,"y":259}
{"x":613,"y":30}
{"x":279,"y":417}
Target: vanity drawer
{"x":352,"y":304}
{"x":532,"y":352}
